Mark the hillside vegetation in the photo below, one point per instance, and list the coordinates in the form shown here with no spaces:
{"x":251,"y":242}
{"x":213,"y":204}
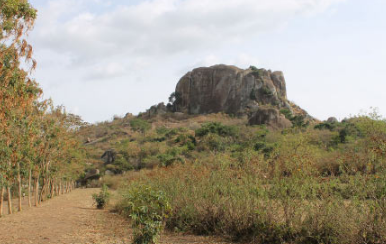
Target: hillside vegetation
{"x":313,"y":183}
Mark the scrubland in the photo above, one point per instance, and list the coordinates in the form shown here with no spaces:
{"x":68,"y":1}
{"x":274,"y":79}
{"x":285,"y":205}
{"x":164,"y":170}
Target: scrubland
{"x":314,"y":183}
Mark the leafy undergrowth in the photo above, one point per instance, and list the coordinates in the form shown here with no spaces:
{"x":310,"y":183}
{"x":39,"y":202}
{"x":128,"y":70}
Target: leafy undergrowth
{"x":102,"y":198}
{"x":147,"y":208}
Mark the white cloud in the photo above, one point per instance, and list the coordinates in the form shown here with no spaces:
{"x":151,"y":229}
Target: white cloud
{"x":160,"y":27}
{"x":103,"y":71}
{"x":244,"y":60}
{"x":100,"y":57}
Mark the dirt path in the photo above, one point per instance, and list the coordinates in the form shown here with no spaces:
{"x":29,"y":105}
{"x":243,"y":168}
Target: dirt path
{"x":71,"y":219}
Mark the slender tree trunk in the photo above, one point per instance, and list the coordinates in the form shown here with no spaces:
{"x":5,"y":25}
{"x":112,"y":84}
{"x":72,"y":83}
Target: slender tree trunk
{"x":29,"y":188}
{"x":52,"y":188}
{"x":60,"y":187}
{"x":37,"y":191}
{"x":19,"y":187}
{"x":9,"y":200}
{"x":1,"y":200}
{"x":42,"y":191}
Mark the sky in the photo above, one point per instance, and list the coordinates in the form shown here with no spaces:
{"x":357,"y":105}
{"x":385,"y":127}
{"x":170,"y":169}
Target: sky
{"x":103,"y":58}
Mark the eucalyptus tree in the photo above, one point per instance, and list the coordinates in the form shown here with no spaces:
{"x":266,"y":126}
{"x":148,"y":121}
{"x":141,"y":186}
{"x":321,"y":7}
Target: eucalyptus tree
{"x":17,"y":96}
{"x":16,"y":19}
{"x":68,"y":158}
{"x":37,"y":140}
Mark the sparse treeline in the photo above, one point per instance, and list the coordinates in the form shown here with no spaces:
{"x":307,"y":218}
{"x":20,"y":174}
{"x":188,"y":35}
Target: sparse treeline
{"x":38,"y":148}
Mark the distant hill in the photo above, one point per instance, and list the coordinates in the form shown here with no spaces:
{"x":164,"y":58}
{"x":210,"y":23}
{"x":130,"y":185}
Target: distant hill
{"x":258,"y":93}
{"x":221,"y":94}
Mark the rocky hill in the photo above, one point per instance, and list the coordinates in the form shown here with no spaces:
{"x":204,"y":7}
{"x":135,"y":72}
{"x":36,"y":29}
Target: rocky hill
{"x":261,"y":94}
{"x":219,"y":94}
{"x":228,"y":89}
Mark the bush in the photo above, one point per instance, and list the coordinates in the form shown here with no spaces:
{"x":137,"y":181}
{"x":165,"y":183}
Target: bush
{"x":170,"y":157}
{"x":186,"y":140}
{"x":253,"y":68}
{"x":325,"y":126}
{"x":266,"y":91}
{"x":298,"y":122}
{"x":216,"y":128}
{"x":102,"y":198}
{"x":287,"y":113}
{"x":147,"y":209}
{"x":140,"y":125}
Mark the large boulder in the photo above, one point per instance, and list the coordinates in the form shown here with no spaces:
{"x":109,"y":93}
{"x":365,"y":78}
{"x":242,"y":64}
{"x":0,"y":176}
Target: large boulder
{"x":92,"y":174}
{"x":271,"y":117}
{"x":228,"y":89}
{"x":109,"y":157}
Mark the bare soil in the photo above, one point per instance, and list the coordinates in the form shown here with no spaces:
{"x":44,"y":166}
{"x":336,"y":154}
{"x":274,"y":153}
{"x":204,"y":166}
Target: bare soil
{"x":72,"y":219}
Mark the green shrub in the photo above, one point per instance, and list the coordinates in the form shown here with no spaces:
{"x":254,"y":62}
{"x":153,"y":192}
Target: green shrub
{"x":140,"y":125}
{"x":186,"y":140}
{"x":170,"y":157}
{"x":266,"y":91}
{"x":259,"y":146}
{"x":325,"y":126}
{"x":147,"y":209}
{"x":257,"y":71}
{"x":287,"y":113}
{"x":216,"y":128}
{"x":102,"y":199}
{"x":166,"y":132}
{"x":122,"y":164}
{"x":253,"y":68}
{"x":298,"y":122}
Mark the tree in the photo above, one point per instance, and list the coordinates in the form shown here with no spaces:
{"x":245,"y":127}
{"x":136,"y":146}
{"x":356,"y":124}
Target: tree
{"x":174,"y":100}
{"x":16,"y":89}
{"x":36,"y":140}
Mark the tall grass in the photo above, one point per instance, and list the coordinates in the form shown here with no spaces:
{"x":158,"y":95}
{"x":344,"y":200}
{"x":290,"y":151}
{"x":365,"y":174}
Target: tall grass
{"x":296,"y":186}
{"x":243,"y":204}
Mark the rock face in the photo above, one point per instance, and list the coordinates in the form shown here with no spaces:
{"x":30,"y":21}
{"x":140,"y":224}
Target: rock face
{"x":109,"y":157}
{"x":270,"y":117}
{"x":156,"y":110}
{"x":228,"y":89}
